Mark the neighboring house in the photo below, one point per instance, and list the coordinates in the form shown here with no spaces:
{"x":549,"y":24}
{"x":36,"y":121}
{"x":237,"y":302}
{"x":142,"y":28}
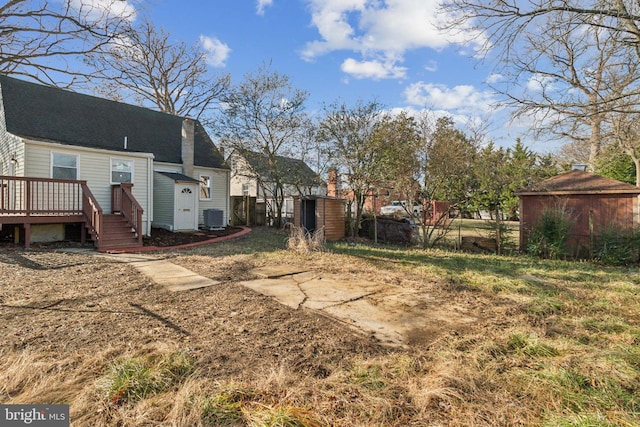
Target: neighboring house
{"x":72,"y":158}
{"x":251,"y":176}
{"x":592,"y":203}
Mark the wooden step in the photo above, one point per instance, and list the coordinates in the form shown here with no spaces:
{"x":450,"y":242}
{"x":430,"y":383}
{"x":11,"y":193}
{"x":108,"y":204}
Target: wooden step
{"x":117,"y":233}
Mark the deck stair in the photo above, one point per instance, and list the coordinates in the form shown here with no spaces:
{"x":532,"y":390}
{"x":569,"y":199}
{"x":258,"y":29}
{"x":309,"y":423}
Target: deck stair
{"x":117,"y":233}
{"x":32,"y":200}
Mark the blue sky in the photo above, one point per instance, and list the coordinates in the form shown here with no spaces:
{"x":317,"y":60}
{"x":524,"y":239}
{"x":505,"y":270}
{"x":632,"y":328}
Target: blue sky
{"x":388,"y":50}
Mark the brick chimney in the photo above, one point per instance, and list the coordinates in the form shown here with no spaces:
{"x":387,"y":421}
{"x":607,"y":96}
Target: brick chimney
{"x":332,"y":183}
{"x":188,"y":131}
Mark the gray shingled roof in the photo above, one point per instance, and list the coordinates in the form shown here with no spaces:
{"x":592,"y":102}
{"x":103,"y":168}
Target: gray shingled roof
{"x":178,"y":177}
{"x":294,"y":171}
{"x":55,"y":115}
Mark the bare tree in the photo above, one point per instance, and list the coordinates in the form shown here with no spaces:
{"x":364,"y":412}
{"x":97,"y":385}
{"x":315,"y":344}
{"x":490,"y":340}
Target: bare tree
{"x":504,"y":23}
{"x":350,"y":133}
{"x":264,"y":114}
{"x":579,"y":59}
{"x":147,"y":66}
{"x":46,"y":39}
{"x":581,"y":77}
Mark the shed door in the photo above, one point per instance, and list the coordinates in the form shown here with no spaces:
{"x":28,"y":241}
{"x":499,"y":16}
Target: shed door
{"x":186,"y":210}
{"x":309,"y":215}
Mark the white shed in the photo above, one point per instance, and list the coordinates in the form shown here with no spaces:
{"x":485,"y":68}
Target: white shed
{"x":175,"y":201}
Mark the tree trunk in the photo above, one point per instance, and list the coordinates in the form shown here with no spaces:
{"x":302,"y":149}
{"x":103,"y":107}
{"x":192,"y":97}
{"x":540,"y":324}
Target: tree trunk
{"x":595,"y":143}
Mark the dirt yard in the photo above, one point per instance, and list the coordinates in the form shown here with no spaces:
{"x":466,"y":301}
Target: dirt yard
{"x":71,"y":313}
{"x":68,"y":303}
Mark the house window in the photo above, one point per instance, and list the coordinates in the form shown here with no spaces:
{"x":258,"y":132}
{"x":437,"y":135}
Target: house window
{"x":205,"y":187}
{"x":245,"y":189}
{"x":64,"y":166}
{"x":121,"y":171}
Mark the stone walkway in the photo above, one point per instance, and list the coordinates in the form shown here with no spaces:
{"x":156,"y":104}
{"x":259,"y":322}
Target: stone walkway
{"x":165,"y":273}
{"x":393,"y":315}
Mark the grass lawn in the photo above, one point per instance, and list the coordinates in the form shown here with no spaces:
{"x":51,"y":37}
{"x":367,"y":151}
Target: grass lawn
{"x":556,"y":343}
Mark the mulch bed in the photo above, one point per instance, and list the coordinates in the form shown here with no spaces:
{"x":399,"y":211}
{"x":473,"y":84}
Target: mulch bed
{"x":159,"y":238}
{"x":162,"y":238}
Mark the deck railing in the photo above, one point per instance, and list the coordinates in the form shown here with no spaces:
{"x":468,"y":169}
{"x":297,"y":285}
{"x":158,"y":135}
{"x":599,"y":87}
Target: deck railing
{"x":93,"y":214}
{"x":122,"y":201}
{"x":27,"y":200}
{"x":21,"y":196}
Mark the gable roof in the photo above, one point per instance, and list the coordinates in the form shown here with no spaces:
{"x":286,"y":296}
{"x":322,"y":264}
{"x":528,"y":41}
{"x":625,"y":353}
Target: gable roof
{"x":55,"y":115}
{"x":579,"y":182}
{"x":294,"y":171}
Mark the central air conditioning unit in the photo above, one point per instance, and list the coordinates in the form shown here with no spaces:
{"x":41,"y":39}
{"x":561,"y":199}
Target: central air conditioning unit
{"x":213,"y":219}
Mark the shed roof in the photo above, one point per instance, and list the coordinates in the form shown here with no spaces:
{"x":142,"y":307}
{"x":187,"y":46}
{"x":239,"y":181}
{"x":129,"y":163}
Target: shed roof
{"x":178,"y":177}
{"x":55,"y":115}
{"x":579,"y":182}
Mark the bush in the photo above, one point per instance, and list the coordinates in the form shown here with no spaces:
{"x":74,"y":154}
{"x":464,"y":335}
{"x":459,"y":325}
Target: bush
{"x":615,"y":246}
{"x":550,"y":235}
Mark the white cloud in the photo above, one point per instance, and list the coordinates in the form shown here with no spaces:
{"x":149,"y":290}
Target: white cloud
{"x":375,"y":70}
{"x":460,"y":99}
{"x":376,"y":29}
{"x":432,"y":66}
{"x":538,"y":83}
{"x":217,"y":52}
{"x":262,"y":5}
{"x":495,"y":78}
{"x":99,"y":10}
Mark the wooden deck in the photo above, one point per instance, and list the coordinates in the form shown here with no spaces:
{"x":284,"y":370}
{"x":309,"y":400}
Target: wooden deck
{"x":26,"y":201}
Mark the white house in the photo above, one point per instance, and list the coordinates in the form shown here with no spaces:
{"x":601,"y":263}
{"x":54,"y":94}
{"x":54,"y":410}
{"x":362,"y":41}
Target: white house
{"x":252,"y":175}
{"x":67,"y":157}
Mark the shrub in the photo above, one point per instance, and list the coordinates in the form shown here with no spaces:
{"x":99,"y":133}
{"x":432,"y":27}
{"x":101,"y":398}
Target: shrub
{"x":615,"y":246}
{"x":501,"y":233}
{"x":550,"y":235}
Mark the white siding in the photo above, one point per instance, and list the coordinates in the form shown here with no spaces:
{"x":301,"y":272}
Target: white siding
{"x":95,"y":168}
{"x":163,"y":201}
{"x":219,"y":192}
{"x":11,"y":147}
{"x":11,"y":154}
{"x":167,"y":167}
{"x":240,"y":172}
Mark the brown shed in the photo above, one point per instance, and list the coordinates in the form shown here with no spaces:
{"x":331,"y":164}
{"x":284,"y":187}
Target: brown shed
{"x":594,"y":203}
{"x":315,"y":212}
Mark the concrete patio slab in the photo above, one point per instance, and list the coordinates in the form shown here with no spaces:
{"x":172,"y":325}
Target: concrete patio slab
{"x":324,"y":292}
{"x":275,"y":271}
{"x":395,"y":316}
{"x":285,"y":290}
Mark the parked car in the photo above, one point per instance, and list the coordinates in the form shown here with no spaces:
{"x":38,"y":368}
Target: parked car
{"x":399,"y":208}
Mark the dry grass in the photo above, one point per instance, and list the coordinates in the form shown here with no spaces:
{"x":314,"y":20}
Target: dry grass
{"x":556,"y":344}
{"x":304,"y":242}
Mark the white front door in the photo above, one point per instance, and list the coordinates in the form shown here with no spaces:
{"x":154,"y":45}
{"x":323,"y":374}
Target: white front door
{"x":186,"y":209}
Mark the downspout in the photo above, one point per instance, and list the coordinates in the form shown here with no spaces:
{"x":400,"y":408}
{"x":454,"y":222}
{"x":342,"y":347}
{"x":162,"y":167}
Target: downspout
{"x":149,"y":194}
{"x":228,"y":173}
